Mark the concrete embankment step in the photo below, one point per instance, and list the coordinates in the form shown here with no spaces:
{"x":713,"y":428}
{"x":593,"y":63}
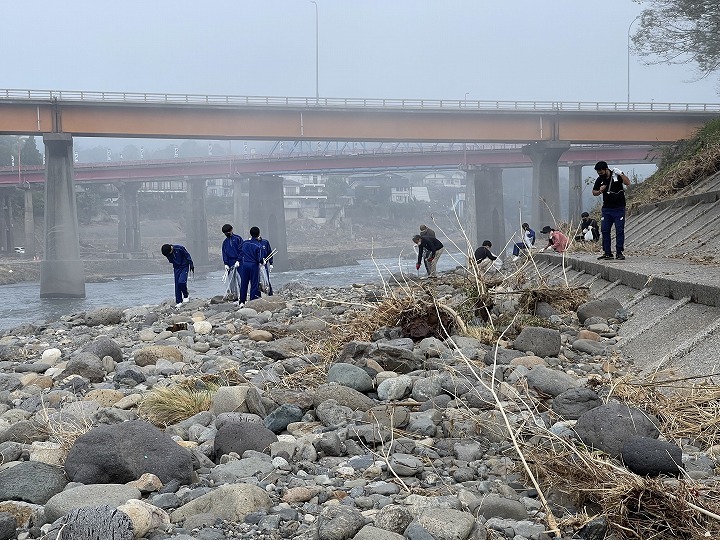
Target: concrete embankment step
{"x":674,"y":307}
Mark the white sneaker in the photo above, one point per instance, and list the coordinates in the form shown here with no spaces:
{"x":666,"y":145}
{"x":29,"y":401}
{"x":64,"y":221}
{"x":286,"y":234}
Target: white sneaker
{"x":515,"y":258}
{"x":186,"y":300}
{"x":240,"y":304}
{"x":178,"y":305}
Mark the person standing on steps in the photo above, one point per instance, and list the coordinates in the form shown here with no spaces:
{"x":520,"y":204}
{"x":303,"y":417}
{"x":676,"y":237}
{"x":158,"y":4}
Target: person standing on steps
{"x":611,"y":185}
{"x":251,"y":260}
{"x":433,"y":248}
{"x":182,"y":263}
{"x":232,"y":255}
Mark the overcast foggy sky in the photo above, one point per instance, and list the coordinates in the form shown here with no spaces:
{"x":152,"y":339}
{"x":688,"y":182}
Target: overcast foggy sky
{"x":562,"y":50}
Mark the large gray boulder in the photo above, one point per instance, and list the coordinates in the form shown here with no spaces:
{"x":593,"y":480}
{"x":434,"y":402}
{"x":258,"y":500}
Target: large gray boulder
{"x":350,"y":375}
{"x":609,"y":426}
{"x":120,"y":453}
{"x":31,"y":481}
{"x":541,"y":341}
{"x":103,"y":346}
{"x":604,"y":307}
{"x":344,"y":395}
{"x":92,"y":523}
{"x":551,"y":382}
{"x":572,"y":403}
{"x":231,"y":502}
{"x":91,"y":495}
{"x":241,"y":436}
{"x":104,"y":316}
{"x":87,"y":365}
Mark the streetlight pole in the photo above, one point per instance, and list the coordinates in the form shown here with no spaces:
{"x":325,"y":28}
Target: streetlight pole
{"x":628,"y":60}
{"x":317,"y":53}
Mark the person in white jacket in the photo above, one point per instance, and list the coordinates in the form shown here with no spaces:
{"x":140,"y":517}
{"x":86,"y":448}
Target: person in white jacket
{"x":528,"y":241}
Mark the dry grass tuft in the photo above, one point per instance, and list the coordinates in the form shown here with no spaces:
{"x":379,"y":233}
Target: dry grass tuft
{"x":64,"y":430}
{"x":564,"y":299}
{"x":164,"y":406}
{"x":686,"y":409}
{"x":636,"y":507}
{"x":483,"y":334}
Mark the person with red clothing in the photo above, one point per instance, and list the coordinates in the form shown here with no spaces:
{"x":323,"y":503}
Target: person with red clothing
{"x":556,"y":239}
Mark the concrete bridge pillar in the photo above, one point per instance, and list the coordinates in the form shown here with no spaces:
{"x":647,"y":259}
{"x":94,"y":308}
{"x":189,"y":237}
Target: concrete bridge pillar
{"x":129,"y":217}
{"x":30,"y":249}
{"x":196,"y":225}
{"x":484,"y":207}
{"x":61,"y":271}
{"x":7,"y":236}
{"x":241,"y":206}
{"x":546,"y":182}
{"x":576,"y":193}
{"x":267,"y":211}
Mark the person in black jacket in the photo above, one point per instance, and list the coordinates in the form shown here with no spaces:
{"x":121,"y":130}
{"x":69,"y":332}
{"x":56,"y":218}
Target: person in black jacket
{"x":484,"y":258}
{"x":588,"y":226}
{"x":432,"y":248}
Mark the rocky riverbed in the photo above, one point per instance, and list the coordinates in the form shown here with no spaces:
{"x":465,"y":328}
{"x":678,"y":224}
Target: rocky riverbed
{"x":373,"y":412}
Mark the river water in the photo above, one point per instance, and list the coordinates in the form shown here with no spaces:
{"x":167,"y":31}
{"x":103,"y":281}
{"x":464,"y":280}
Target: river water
{"x":21,"y":302}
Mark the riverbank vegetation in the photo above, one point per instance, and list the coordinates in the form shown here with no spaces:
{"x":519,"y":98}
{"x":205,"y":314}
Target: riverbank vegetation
{"x":682,"y":164}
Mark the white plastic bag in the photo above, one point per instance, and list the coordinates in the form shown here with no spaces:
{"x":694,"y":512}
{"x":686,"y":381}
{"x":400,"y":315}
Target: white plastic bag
{"x":589,"y":234}
{"x":497,"y":263}
{"x":232,"y":291}
{"x":264,"y":280}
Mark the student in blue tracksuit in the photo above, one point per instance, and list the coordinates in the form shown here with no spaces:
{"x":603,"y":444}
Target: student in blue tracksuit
{"x":266,"y":251}
{"x":231,"y":253}
{"x":182,"y":263}
{"x":249,"y":267}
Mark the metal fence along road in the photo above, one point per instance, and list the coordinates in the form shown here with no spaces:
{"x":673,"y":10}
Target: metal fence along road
{"x":350,"y":103}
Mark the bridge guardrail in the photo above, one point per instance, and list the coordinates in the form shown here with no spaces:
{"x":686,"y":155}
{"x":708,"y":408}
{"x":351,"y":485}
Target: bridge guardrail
{"x":369,"y":103}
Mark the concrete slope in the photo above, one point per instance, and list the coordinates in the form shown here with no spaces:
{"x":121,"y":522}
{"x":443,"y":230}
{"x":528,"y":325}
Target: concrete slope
{"x":674,"y":307}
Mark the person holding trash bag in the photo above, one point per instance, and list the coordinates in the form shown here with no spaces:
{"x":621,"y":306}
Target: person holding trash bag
{"x":182,"y":263}
{"x":249,"y":267}
{"x":267,"y":254}
{"x":232,"y":256}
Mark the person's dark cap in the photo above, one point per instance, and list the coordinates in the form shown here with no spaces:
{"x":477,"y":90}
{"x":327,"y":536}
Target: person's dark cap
{"x":546,"y":229}
{"x":601,"y":166}
{"x":584,"y":214}
{"x":166,"y":249}
{"x":227,"y":228}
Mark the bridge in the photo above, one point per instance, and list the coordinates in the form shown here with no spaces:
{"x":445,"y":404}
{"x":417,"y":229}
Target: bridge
{"x":438,"y":158}
{"x":547,"y":128}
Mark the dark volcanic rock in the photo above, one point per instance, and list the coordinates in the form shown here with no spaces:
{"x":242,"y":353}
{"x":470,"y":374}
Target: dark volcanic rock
{"x":607,"y":427}
{"x":240,"y":436}
{"x":121,"y":453}
{"x":651,"y":457}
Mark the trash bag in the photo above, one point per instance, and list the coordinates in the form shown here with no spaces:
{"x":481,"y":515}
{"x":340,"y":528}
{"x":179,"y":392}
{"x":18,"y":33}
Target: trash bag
{"x":589,"y":237}
{"x":232,"y":289}
{"x":264,"y":279}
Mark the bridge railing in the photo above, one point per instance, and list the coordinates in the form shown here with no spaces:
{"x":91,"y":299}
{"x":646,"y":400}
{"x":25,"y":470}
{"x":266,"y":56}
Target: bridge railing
{"x":369,"y":103}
